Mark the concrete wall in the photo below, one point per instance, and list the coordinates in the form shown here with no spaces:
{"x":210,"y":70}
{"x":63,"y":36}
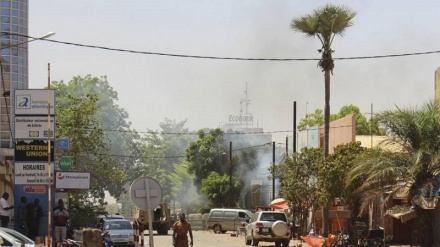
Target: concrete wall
{"x":342,"y":131}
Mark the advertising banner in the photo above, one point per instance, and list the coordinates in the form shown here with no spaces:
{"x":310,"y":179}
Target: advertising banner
{"x":32,"y":173}
{"x":72,"y":180}
{"x":33,"y":127}
{"x":34,"y":102}
{"x":33,"y":150}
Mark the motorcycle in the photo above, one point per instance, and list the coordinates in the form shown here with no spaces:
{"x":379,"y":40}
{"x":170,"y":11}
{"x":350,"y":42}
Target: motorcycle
{"x":106,"y":240}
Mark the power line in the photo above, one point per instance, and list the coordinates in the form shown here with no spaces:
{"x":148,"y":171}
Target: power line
{"x":226,"y":58}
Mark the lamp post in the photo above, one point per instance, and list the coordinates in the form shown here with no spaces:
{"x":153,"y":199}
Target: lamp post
{"x":8,"y":93}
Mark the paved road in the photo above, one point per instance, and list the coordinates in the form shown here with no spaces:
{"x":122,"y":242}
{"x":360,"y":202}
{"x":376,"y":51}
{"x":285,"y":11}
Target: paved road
{"x":208,"y":239}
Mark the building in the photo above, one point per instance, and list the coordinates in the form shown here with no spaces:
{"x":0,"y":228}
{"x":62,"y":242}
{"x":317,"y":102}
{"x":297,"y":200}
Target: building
{"x":14,"y":75}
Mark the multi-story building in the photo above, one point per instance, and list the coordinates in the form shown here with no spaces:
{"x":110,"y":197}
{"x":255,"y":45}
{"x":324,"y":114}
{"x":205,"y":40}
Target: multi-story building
{"x":13,"y":75}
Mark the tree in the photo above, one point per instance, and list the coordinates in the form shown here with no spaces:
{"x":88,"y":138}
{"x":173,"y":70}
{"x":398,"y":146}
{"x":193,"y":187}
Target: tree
{"x":409,"y":160}
{"x":161,"y":151}
{"x":218,"y":189}
{"x":363,"y":126}
{"x":332,"y":179}
{"x":325,"y":23}
{"x":298,"y":175}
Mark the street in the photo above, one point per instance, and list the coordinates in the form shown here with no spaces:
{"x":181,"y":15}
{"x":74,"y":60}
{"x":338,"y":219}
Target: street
{"x":208,"y":239}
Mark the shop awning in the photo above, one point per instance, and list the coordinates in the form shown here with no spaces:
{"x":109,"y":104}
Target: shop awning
{"x":279,"y":203}
{"x":404,"y":213}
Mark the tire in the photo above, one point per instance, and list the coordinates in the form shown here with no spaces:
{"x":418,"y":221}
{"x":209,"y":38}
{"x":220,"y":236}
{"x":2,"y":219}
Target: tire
{"x":217,"y":228}
{"x":247,"y":241}
{"x":279,"y":228}
{"x":286,"y":243}
{"x":254,"y":241}
{"x":223,"y":231}
{"x":277,"y":244}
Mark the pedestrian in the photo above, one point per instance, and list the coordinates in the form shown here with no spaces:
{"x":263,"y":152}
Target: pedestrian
{"x":180,"y":232}
{"x":60,"y":216}
{"x":21,"y":216}
{"x":33,"y":215}
{"x":5,"y":209}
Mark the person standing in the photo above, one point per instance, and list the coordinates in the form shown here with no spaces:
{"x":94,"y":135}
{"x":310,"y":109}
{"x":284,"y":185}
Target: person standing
{"x":21,"y":216}
{"x":60,"y":216}
{"x":33,"y":215}
{"x":180,"y":232}
{"x":5,"y":209}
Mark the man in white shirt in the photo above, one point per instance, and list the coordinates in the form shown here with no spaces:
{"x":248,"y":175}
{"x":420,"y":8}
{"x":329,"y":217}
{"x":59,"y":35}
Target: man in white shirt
{"x":60,"y":216}
{"x":5,"y":210}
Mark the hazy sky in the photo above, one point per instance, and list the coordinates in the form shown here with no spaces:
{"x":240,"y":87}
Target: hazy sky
{"x":205,"y":91}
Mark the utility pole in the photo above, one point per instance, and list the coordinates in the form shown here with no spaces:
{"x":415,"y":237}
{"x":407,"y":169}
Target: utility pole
{"x":230,"y":168}
{"x":294,"y":127}
{"x":273,"y":170}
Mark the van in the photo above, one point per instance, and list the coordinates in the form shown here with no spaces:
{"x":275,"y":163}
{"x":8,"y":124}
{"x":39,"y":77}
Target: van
{"x":221,"y":220}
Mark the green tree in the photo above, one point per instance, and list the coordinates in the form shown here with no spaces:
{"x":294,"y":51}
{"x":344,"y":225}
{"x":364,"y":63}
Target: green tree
{"x":332,"y":176}
{"x":298,"y":176}
{"x":218,"y":189}
{"x":161,"y":151}
{"x":325,"y":23}
{"x":363,"y":125}
{"x":409,"y":160}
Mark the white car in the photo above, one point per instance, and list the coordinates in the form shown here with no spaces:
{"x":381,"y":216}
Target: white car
{"x":9,"y":237}
{"x":120,"y":231}
{"x":268,"y":226}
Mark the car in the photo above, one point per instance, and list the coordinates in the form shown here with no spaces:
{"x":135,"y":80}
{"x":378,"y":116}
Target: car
{"x":221,"y":220}
{"x":9,"y":237}
{"x":120,"y":231}
{"x":268,"y":226}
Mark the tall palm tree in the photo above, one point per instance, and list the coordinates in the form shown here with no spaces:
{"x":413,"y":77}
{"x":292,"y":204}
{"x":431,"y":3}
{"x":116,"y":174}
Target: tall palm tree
{"x":410,"y":160}
{"x":325,"y":23}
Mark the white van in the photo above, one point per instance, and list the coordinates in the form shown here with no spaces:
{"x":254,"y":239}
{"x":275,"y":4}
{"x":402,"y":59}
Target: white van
{"x":225,"y":219}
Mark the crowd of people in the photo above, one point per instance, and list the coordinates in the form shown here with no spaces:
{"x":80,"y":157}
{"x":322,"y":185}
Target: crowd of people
{"x":29,"y":215}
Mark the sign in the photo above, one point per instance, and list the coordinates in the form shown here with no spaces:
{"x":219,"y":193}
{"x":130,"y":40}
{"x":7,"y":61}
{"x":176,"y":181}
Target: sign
{"x":35,"y":150}
{"x":65,"y":163}
{"x":33,"y":127}
{"x":145,"y":189}
{"x":34,"y":102}
{"x":62,"y":143}
{"x":72,"y":180}
{"x":31,"y":173}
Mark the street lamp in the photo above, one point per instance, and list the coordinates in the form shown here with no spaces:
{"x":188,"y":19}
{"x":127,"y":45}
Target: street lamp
{"x":47,"y":35}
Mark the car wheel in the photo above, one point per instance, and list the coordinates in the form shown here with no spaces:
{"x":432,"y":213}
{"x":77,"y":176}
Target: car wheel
{"x":247,"y":241}
{"x":217,"y":229}
{"x":286,"y":243}
{"x":223,"y":231}
{"x":254,"y":241}
{"x":278,"y":244}
{"x":279,"y":228}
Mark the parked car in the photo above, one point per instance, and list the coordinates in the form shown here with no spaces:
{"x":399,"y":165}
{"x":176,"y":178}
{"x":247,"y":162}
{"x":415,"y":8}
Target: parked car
{"x":120,"y":231}
{"x":268,"y":226}
{"x":221,"y":220}
{"x":9,"y":237}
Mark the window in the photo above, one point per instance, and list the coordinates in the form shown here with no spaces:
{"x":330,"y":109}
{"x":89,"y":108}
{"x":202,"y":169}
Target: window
{"x":217,"y":214}
{"x":230,"y":214}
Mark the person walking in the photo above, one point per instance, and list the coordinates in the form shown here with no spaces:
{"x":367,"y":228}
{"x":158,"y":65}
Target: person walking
{"x":21,"y":216}
{"x":5,"y":209}
{"x":33,"y":215}
{"x":60,"y":216}
{"x":180,"y":232}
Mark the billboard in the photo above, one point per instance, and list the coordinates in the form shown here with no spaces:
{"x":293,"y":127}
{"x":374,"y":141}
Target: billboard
{"x":72,"y":180}
{"x":34,"y":102}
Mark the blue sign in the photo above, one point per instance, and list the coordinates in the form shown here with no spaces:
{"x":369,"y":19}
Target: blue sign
{"x":62,"y":143}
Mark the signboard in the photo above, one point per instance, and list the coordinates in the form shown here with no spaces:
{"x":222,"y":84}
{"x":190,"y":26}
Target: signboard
{"x":63,"y":143}
{"x":33,"y":127}
{"x":34,"y":102}
{"x":35,"y":150}
{"x":72,"y":180}
{"x":146,"y":193}
{"x":31,"y":173}
{"x":65,"y":163}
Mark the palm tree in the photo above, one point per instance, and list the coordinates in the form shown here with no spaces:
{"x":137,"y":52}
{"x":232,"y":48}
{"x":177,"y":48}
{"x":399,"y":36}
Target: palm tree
{"x":410,"y":162}
{"x":325,"y":23}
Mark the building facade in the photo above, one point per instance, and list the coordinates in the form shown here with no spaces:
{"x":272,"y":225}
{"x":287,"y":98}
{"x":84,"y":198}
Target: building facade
{"x":14,"y":25}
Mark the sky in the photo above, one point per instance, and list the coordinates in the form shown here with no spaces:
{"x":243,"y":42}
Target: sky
{"x":207,"y":91}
